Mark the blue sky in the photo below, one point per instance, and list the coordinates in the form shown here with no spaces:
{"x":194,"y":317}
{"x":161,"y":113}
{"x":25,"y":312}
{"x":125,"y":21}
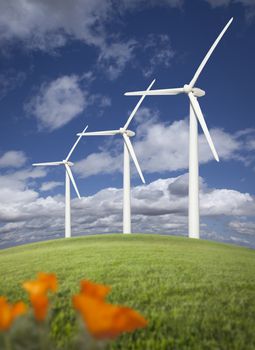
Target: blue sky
{"x":65,"y":64}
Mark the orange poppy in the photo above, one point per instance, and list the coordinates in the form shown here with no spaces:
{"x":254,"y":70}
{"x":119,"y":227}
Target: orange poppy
{"x":44,"y":282}
{"x":8,"y":313}
{"x":94,"y":290}
{"x":40,"y":303}
{"x":105,"y":320}
{"x":49,"y":279}
{"x":37,"y":290}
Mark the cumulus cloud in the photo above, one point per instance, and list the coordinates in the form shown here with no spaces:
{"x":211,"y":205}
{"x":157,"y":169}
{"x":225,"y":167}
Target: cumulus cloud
{"x":95,"y":163}
{"x":243,"y":227}
{"x":50,"y":185}
{"x":48,"y":25}
{"x":154,"y":138}
{"x":16,"y":194}
{"x":159,"y":207}
{"x":227,"y":202}
{"x":57,"y":103}
{"x":114,"y":57}
{"x":13,"y":159}
{"x":18,"y":180}
{"x":35,"y":21}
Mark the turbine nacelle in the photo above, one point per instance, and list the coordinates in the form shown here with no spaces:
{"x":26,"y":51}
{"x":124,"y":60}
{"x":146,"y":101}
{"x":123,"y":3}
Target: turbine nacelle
{"x":129,"y":133}
{"x":196,"y":91}
{"x":67,"y":162}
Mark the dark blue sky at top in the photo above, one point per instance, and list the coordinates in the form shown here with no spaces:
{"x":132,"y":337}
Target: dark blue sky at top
{"x":228,"y":80}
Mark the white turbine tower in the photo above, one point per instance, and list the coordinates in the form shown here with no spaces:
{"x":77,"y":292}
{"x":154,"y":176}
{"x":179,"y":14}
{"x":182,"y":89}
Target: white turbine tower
{"x":128,"y":152}
{"x":195,"y":113}
{"x":69,"y":176}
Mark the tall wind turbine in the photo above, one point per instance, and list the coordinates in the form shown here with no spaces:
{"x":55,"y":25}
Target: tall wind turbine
{"x":128,"y":152}
{"x":69,"y":176}
{"x":195,"y":113}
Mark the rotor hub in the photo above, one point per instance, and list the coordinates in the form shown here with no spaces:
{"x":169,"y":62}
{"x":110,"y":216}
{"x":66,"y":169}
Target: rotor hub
{"x":129,"y":133}
{"x":68,"y":163}
{"x":187,"y":89}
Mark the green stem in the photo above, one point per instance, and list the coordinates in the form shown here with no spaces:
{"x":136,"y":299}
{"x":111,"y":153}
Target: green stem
{"x":7,"y":342}
{"x":42,"y":335}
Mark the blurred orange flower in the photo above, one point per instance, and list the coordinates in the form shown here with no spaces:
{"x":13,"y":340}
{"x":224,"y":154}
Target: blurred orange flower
{"x":8,"y":313}
{"x":94,"y":290}
{"x":49,"y":279}
{"x":105,"y":320}
{"x":40,"y":303}
{"x":37,"y":290}
{"x":44,"y":282}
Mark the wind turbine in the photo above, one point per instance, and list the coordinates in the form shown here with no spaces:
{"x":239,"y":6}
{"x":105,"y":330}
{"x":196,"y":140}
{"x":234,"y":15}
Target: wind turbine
{"x":195,"y":113}
{"x":128,"y":152}
{"x":69,"y":176}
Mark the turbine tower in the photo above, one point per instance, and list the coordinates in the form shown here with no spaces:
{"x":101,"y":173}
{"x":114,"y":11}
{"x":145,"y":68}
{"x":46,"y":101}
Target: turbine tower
{"x":128,"y":152}
{"x":195,"y":114}
{"x":69,"y":176}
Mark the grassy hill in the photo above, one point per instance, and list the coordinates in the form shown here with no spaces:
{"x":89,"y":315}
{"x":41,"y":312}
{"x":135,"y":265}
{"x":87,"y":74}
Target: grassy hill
{"x":195,"y":294}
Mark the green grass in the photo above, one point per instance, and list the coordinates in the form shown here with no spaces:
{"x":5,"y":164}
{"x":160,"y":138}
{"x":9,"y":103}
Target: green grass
{"x":195,"y":294}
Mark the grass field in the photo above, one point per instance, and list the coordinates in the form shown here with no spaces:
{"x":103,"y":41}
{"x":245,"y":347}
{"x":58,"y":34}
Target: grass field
{"x":195,"y":294}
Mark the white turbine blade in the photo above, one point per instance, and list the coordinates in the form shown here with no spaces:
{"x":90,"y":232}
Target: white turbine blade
{"x":156,"y":92}
{"x":200,"y":117}
{"x":100,"y":133}
{"x":209,"y":53}
{"x":48,"y":164}
{"x":137,"y":106}
{"x":133,"y":156}
{"x":76,"y":143}
{"x":72,"y":179}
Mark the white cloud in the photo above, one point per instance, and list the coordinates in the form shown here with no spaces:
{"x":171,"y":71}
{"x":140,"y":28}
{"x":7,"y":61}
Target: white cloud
{"x":227,"y":202}
{"x":243,"y":227}
{"x":159,"y":207}
{"x":19,"y":179}
{"x":37,"y":21}
{"x":95,"y":163}
{"x":16,"y":194}
{"x":154,"y":138}
{"x":62,"y":100}
{"x":48,"y":186}
{"x":47,"y":25}
{"x":170,"y":141}
{"x":13,"y":159}
{"x":58,"y":102}
{"x":114,"y":57}
{"x":160,"y":52}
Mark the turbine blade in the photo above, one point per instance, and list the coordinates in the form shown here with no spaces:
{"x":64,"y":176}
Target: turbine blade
{"x":48,"y":164}
{"x":209,"y":53}
{"x":137,"y":106}
{"x":156,"y":92}
{"x":100,"y":133}
{"x":197,"y":110}
{"x":69,"y":172}
{"x":76,"y":143}
{"x":133,"y":156}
